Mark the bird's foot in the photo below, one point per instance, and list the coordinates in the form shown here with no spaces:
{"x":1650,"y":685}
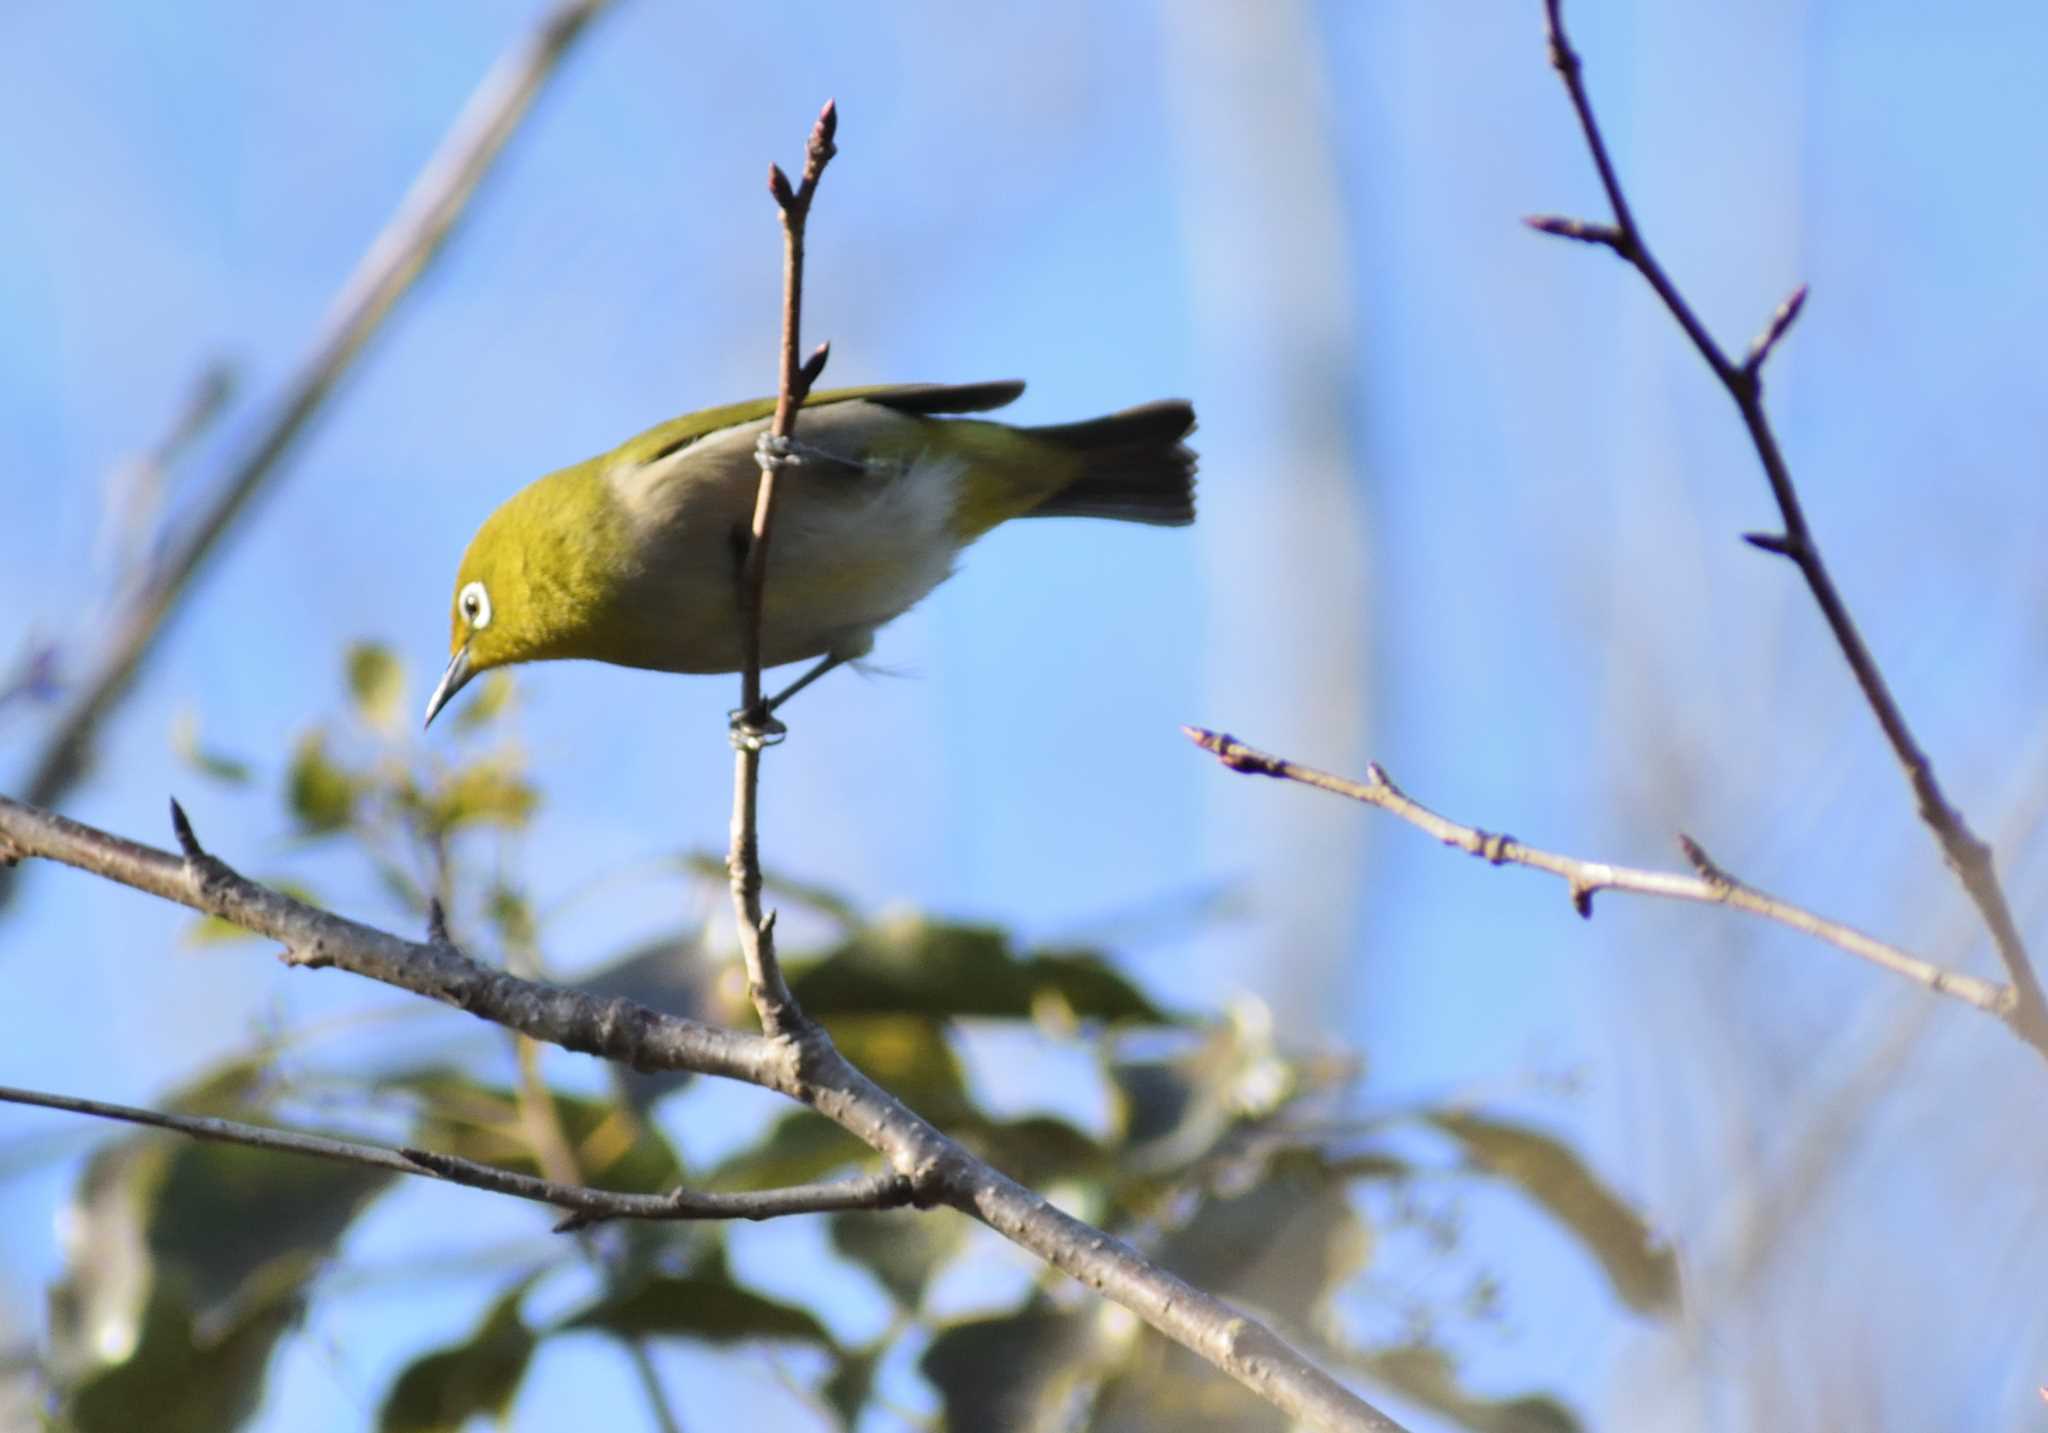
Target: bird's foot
{"x":754,"y":729}
{"x":777,"y":452}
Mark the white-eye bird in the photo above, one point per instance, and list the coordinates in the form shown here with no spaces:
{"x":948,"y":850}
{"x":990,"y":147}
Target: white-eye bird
{"x":633,"y":557}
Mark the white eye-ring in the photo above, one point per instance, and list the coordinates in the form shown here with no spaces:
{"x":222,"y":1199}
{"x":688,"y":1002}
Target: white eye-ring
{"x":476,"y":606}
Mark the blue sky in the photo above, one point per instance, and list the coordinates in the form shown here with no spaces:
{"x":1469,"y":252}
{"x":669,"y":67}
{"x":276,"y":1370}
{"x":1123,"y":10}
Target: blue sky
{"x":1469,"y":508}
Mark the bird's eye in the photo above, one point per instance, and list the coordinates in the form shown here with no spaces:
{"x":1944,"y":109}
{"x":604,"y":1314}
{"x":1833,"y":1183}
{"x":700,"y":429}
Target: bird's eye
{"x":476,"y":606}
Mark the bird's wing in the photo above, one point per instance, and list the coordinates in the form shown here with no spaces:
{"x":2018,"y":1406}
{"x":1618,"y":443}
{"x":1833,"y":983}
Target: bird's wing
{"x":915,"y":398}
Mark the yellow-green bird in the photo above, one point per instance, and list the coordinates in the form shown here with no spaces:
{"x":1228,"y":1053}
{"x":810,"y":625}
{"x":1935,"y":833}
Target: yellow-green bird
{"x":633,"y":557}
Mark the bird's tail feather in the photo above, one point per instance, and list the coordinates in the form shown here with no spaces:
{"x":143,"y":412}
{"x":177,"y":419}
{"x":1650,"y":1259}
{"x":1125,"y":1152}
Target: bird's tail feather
{"x":1136,"y":468}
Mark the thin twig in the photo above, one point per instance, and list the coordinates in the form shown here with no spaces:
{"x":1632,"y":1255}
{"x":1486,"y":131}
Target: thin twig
{"x":1970,"y":858}
{"x":395,"y":258}
{"x":753,"y":727}
{"x":1712,"y":886}
{"x":584,"y":1203}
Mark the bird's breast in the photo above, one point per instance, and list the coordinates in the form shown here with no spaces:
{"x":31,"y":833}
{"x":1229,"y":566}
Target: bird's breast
{"x":855,"y":543}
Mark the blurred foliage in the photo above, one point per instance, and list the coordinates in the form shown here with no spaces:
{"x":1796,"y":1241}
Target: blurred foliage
{"x":1233,"y":1160}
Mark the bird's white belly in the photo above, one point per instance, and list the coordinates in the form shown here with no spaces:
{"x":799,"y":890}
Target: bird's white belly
{"x":839,"y":568}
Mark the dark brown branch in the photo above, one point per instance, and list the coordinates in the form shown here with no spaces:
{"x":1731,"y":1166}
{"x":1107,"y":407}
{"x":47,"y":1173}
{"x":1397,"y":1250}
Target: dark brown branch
{"x":586,"y":1205}
{"x":1583,"y":879}
{"x":395,"y":258}
{"x":1970,"y":858}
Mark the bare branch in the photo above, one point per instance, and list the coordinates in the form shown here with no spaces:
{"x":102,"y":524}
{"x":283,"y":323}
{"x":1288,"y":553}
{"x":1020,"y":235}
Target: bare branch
{"x":1781,"y":322}
{"x":395,"y":258}
{"x":1970,"y":858}
{"x":754,"y":726}
{"x":1712,"y":886}
{"x":587,"y":1205}
{"x":313,"y":938}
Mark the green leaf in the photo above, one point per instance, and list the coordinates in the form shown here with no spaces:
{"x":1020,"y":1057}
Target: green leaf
{"x":902,"y":1248}
{"x":913,"y":965}
{"x":186,"y":746}
{"x":320,"y":792}
{"x":1162,"y":1385}
{"x":489,"y":699}
{"x":190,"y":1260}
{"x":376,"y":682}
{"x":511,"y":914}
{"x":614,"y":1148}
{"x":1282,"y":1244}
{"x":851,"y":1382}
{"x":490,"y":792}
{"x":1427,"y":1376}
{"x":1642,"y":1269}
{"x":1015,"y":1372}
{"x":798,"y":1148}
{"x":441,"y":1391}
{"x":909,"y":1056}
{"x":1175,"y":1110}
{"x":1037,"y":1150}
{"x":705,"y":1305}
{"x":176,"y":1379}
{"x":232,"y":1220}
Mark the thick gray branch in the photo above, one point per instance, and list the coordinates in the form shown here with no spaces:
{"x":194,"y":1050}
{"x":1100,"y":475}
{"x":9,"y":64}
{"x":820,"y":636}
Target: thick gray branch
{"x":611,"y":1028}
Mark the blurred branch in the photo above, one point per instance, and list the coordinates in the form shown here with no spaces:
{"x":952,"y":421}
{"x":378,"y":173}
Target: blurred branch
{"x":561,"y":1162}
{"x":1712,"y":886}
{"x":585,"y":1205}
{"x":2026,"y":1010}
{"x":395,"y":258}
{"x":135,"y":489}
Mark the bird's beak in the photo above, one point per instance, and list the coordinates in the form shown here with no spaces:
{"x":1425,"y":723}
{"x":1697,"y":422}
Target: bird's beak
{"x":453,"y":680}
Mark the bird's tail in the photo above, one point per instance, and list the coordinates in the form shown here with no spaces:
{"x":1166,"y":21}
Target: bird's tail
{"x":1134,"y":465}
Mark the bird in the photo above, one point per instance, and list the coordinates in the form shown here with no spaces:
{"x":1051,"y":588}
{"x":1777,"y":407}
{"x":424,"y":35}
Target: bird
{"x":633,"y":557}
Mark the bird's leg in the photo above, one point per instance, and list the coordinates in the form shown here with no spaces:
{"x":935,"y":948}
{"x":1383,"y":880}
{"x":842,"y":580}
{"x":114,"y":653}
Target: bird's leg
{"x":789,"y":453}
{"x":824,"y":665}
{"x":760,"y":724}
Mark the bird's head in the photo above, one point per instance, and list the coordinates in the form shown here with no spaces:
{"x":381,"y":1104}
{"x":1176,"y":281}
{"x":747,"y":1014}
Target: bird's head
{"x":541,"y":579}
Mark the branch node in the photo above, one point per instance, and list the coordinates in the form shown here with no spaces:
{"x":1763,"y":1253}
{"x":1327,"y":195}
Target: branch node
{"x":776,"y":451}
{"x":1583,"y":230}
{"x":1711,"y":873}
{"x":1775,"y":543}
{"x":181,"y":827}
{"x":1781,"y":321}
{"x":820,"y":148}
{"x":1582,"y":899}
{"x":813,"y":369}
{"x":1494,"y":848}
{"x":437,"y":923}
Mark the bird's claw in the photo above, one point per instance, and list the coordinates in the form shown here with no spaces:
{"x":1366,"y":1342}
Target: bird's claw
{"x":754,"y":729}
